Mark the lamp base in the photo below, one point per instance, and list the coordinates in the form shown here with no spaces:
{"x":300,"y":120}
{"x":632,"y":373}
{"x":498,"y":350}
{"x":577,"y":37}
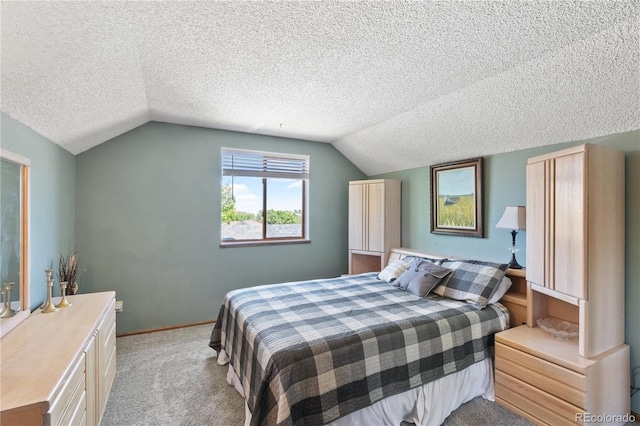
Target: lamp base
{"x":514,"y":263}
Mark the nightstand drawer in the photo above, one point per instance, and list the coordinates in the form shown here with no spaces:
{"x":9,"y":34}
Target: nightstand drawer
{"x":530,"y":362}
{"x":538,"y":403}
{"x":542,"y":382}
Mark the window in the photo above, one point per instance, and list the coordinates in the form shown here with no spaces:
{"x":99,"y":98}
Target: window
{"x":264,"y":196}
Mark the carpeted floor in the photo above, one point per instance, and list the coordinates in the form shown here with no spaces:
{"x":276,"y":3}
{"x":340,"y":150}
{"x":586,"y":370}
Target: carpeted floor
{"x":172,"y":378}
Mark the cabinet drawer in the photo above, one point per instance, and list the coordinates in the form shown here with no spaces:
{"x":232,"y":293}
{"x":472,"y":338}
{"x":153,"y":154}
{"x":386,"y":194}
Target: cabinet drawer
{"x":110,"y":370}
{"x":530,"y":362}
{"x":527,"y":408}
{"x":545,"y":383}
{"x":538,"y":403}
{"x":64,"y":400}
{"x":77,"y":407}
{"x":82,"y":421}
{"x":109,"y":322}
{"x":110,"y":338}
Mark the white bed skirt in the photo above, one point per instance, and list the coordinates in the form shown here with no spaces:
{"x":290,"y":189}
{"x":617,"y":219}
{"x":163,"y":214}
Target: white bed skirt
{"x":429,"y":404}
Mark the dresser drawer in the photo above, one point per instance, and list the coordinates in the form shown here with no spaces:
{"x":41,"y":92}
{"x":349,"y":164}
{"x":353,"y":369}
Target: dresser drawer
{"x":82,"y":421}
{"x":65,"y":399}
{"x":538,"y":403}
{"x":110,"y":370}
{"x":545,"y":383}
{"x":111,"y":336}
{"x":109,"y":323}
{"x":77,"y":407}
{"x":530,"y":362}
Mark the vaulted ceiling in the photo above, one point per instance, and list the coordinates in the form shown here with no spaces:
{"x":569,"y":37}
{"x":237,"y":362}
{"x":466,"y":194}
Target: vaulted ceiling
{"x":392,"y":85}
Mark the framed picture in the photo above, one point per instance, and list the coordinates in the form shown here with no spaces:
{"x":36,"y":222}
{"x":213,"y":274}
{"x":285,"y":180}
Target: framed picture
{"x":456,"y":198}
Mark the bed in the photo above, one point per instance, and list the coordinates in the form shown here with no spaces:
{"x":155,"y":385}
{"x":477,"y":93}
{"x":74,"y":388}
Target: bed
{"x":356,"y":349}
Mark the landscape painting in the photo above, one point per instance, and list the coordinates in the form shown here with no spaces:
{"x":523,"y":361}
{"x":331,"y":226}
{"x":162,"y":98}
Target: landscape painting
{"x":456,"y":198}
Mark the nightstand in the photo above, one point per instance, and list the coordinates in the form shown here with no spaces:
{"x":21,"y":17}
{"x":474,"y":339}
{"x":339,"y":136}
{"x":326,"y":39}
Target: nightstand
{"x":546,"y":381}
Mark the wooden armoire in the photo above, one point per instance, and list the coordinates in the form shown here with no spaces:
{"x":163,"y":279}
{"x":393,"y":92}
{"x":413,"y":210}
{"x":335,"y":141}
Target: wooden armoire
{"x":374,"y":223}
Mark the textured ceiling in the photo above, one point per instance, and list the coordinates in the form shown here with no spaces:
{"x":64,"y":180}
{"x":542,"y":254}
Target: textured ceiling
{"x":392,"y":85}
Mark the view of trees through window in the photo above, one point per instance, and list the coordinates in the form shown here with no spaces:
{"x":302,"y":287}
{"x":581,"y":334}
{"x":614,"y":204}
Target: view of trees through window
{"x":244,"y":203}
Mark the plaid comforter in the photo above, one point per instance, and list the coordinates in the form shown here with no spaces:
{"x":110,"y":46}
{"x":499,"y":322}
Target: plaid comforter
{"x":310,"y":352}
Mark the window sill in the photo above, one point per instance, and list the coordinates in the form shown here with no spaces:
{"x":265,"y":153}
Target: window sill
{"x":231,"y":244}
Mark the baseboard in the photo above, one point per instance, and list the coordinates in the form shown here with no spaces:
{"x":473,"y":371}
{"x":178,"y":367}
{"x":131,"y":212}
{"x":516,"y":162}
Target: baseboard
{"x":170,"y":327}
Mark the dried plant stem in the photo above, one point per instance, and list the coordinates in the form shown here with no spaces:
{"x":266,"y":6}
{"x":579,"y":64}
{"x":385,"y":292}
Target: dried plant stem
{"x":68,"y":269}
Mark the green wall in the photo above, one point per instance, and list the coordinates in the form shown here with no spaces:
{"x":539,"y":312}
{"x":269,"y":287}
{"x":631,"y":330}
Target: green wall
{"x":52,"y":198}
{"x":504,"y":185}
{"x":148,"y":223}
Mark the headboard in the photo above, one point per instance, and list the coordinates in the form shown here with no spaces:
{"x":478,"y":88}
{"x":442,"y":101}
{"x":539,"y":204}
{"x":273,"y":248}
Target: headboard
{"x":515,"y":300}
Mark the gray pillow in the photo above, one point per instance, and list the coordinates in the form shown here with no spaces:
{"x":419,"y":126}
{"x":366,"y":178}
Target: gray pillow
{"x":421,"y":277}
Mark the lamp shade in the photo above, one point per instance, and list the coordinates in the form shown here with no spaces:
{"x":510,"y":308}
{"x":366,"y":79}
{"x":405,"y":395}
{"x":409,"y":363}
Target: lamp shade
{"x":513,"y":218}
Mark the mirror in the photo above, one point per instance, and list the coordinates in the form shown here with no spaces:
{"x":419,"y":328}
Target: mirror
{"x":14,"y":252}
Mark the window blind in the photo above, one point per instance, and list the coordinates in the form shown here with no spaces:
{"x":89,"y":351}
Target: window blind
{"x":236,"y":162}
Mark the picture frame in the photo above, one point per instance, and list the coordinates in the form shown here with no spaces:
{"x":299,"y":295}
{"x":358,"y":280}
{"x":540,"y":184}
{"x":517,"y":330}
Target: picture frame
{"x":456,"y":198}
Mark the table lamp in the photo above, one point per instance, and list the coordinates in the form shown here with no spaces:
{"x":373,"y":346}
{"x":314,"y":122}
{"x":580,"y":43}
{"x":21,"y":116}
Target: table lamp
{"x":513,"y":218}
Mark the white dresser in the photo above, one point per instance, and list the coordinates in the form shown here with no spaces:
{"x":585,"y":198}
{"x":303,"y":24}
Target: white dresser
{"x":58,"y":368}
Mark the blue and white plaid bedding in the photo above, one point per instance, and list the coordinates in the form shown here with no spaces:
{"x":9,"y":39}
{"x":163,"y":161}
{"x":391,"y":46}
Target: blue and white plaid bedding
{"x":310,"y":352}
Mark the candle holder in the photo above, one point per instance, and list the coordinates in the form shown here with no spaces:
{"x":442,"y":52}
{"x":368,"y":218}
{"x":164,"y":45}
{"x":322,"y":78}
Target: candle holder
{"x":4,"y":303}
{"x":48,"y":306}
{"x":7,"y":312}
{"x":48,"y":272}
{"x":64,"y":302}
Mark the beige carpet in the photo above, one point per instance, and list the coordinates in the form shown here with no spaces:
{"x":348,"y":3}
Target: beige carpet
{"x":172,"y":378}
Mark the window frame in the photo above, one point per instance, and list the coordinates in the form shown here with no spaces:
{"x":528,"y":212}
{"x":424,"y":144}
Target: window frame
{"x":267,"y":165}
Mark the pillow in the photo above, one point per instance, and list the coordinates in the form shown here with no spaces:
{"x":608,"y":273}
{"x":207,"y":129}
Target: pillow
{"x":393,"y":270}
{"x":473,"y":281}
{"x":396,"y":267}
{"x":503,"y":287}
{"x":437,"y":261}
{"x":421,"y":277}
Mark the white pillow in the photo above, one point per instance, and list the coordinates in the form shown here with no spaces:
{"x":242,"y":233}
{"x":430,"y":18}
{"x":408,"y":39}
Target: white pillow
{"x":504,"y":285}
{"x":393,"y":270}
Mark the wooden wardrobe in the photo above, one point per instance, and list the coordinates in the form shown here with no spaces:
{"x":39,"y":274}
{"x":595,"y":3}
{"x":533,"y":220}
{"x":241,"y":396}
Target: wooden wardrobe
{"x":374,"y":223}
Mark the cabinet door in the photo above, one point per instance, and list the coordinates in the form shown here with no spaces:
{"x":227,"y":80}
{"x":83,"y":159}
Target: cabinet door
{"x":536,"y":218}
{"x":356,"y":216}
{"x":556,"y":217}
{"x":570,"y":232}
{"x":375,"y":217}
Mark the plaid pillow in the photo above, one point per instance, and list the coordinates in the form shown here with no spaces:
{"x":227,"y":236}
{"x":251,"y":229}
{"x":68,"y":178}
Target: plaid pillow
{"x":473,"y":281}
{"x":503,"y":287}
{"x":437,"y":261}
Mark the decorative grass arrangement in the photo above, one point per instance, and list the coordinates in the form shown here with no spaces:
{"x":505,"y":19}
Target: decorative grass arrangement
{"x":68,"y":271}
